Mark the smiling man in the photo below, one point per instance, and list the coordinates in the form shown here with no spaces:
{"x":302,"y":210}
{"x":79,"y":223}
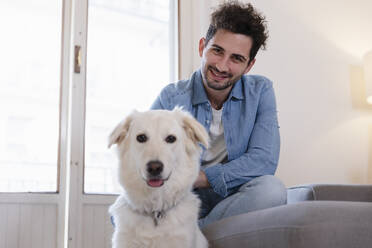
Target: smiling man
{"x":239,"y":112}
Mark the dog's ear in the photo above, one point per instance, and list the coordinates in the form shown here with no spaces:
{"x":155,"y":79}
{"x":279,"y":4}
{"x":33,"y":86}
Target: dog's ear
{"x":120,"y":131}
{"x":194,"y":130}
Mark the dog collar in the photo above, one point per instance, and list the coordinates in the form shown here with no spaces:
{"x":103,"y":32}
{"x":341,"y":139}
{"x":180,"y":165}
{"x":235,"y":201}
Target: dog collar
{"x":157,"y":215}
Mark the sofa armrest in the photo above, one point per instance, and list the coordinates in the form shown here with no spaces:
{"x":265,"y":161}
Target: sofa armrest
{"x":330,"y":192}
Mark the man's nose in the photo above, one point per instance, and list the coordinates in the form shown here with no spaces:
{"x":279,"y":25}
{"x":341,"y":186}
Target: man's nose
{"x":222,"y":64}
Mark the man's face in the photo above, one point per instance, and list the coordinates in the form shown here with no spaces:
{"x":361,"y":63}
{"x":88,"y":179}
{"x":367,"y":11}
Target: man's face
{"x":225,"y":59}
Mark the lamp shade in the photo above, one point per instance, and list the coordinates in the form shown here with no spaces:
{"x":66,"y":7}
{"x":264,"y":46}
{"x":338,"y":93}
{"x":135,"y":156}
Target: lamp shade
{"x":367,"y":64}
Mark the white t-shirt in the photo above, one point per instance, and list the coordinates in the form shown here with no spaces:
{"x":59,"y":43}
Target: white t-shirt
{"x":217,"y":152}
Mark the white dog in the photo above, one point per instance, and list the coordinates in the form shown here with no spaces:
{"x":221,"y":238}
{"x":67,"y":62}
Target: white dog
{"x":159,"y":154}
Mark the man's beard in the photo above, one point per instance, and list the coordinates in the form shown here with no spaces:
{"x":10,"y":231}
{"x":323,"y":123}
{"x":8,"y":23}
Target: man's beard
{"x":218,"y":85}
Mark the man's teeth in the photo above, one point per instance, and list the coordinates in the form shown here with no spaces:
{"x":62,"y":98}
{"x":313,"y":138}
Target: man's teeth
{"x":221,"y":75}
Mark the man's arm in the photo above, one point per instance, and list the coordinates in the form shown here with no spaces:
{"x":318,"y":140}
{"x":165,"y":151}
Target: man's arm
{"x":262,"y":155}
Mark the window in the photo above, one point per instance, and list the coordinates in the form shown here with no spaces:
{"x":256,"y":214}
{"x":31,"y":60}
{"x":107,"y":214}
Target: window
{"x":30,"y":48}
{"x":55,"y":123}
{"x":128,"y":63}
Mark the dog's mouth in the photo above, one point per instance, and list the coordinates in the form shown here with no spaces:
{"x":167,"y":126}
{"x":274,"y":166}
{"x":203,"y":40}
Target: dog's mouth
{"x":156,"y":182}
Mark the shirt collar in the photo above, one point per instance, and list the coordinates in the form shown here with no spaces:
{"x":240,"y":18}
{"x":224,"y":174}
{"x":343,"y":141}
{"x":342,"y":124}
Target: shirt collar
{"x":237,"y":90}
{"x":200,"y":96}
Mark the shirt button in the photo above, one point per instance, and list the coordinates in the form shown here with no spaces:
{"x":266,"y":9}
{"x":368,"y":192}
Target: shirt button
{"x":207,"y":121}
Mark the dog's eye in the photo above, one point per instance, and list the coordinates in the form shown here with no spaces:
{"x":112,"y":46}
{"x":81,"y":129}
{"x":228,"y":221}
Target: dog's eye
{"x":170,"y":139}
{"x":141,"y":138}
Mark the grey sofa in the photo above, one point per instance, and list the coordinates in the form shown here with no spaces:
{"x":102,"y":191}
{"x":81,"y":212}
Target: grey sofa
{"x":316,"y":216}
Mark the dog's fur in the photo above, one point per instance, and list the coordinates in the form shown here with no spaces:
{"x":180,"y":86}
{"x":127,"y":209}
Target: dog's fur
{"x":163,"y":216}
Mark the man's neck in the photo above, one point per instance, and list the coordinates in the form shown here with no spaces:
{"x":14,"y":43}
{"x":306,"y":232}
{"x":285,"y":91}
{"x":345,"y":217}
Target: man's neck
{"x":217,"y":97}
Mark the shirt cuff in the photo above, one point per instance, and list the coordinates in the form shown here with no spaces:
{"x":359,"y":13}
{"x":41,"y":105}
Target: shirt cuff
{"x":215,"y":176}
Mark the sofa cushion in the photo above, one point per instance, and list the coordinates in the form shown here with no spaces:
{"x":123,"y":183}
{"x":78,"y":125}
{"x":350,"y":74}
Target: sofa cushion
{"x":308,"y":224}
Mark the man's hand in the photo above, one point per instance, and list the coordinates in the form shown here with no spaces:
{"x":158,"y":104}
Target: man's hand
{"x":201,"y":181}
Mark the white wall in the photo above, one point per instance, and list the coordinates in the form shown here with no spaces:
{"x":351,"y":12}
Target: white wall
{"x":314,"y":56}
{"x":193,"y":23}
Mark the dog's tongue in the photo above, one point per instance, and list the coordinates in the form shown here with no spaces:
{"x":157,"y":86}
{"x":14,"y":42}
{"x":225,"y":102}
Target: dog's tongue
{"x":155,"y":182}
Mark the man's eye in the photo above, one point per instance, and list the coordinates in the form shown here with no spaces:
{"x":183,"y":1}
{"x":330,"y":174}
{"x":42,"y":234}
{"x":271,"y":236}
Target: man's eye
{"x":170,"y":139}
{"x":141,"y":138}
{"x":217,"y":50}
{"x":238,"y":59}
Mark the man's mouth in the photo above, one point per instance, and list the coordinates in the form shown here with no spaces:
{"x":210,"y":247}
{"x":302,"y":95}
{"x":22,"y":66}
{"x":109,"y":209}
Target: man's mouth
{"x":218,"y":75}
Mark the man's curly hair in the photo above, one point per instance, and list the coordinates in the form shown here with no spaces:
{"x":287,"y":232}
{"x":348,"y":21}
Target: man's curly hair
{"x":241,"y":19}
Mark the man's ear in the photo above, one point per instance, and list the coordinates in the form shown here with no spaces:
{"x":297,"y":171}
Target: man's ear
{"x":193,"y":129}
{"x":201,"y":46}
{"x":120,"y":131}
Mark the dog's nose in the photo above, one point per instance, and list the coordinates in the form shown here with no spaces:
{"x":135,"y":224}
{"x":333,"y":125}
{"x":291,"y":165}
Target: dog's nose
{"x":154,"y":168}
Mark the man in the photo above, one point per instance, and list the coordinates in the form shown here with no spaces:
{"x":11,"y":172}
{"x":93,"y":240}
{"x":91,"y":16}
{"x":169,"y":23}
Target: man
{"x":238,"y":110}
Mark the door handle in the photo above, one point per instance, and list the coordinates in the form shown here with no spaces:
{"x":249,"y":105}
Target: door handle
{"x":77,"y":59}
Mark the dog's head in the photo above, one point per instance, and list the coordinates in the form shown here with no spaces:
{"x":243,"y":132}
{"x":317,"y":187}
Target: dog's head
{"x":158,"y":147}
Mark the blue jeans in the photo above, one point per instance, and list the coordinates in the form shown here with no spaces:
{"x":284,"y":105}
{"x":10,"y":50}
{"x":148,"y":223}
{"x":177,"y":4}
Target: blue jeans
{"x":259,"y":193}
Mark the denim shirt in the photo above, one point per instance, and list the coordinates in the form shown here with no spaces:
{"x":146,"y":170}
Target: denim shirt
{"x":250,"y":124}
